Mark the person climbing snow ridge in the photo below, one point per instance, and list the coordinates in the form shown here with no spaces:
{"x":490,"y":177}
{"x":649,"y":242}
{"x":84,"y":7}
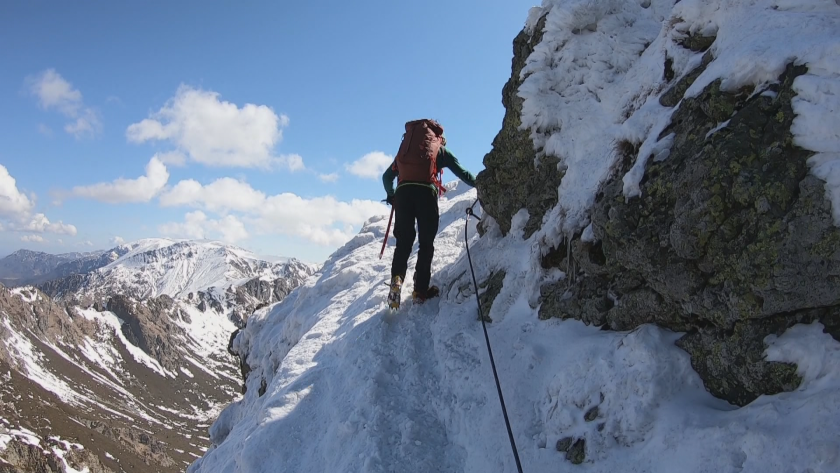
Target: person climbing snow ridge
{"x":418,"y":167}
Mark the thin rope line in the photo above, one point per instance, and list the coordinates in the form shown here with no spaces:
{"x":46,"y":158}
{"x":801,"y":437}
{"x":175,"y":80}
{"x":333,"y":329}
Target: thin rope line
{"x":487,"y":339}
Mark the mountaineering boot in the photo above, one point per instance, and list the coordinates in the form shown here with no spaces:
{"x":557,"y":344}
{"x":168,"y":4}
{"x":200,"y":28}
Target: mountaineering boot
{"x":395,"y":292}
{"x":420,"y":298}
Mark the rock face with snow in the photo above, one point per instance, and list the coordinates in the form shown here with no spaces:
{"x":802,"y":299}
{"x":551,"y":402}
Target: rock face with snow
{"x":702,"y":184}
{"x":516,"y":177}
{"x":25,"y":452}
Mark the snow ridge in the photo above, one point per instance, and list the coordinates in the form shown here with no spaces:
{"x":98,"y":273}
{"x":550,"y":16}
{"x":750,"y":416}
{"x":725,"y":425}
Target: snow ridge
{"x":154,"y":267}
{"x":339,"y":384}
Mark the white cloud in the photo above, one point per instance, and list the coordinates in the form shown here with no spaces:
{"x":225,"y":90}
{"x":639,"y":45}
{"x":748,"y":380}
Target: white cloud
{"x":142,"y":189}
{"x":172,"y":158}
{"x":32,"y":238}
{"x":192,"y":227}
{"x":86,"y":243}
{"x":60,"y":242}
{"x":55,"y":93}
{"x":197,"y":225}
{"x":323,"y":220}
{"x":45,"y":130}
{"x":86,"y":124}
{"x":371,"y":165}
{"x":16,"y":209}
{"x":12,"y":202}
{"x":293,"y":162}
{"x":332,"y":177}
{"x":117,"y":240}
{"x":217,"y":133}
{"x":222,"y":195}
{"x":41,"y":224}
{"x":231,"y":228}
{"x":315,"y":219}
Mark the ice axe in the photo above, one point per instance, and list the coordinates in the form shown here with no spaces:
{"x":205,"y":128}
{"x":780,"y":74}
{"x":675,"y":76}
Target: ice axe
{"x":387,"y":231}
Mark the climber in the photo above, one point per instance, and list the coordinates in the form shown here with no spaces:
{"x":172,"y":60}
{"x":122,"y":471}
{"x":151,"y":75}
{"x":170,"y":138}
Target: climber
{"x":418,"y":166}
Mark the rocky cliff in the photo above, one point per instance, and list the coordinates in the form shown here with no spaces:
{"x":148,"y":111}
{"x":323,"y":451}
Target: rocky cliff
{"x":701,"y":212}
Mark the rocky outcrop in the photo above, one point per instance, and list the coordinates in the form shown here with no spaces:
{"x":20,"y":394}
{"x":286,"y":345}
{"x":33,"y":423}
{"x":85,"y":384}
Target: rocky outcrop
{"x":732,"y":240}
{"x":32,"y":310}
{"x":149,"y":325}
{"x":150,"y":449}
{"x":22,"y":457}
{"x":71,"y":284}
{"x":257,"y":293}
{"x":516,"y":176}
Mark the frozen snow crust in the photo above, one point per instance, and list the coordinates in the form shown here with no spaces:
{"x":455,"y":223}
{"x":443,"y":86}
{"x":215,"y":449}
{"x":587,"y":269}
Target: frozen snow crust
{"x":338,"y":384}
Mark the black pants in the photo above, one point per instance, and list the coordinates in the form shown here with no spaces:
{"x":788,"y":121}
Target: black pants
{"x":415,"y":202}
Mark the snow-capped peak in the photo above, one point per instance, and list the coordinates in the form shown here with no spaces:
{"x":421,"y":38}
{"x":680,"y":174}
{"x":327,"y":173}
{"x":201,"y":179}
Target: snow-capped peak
{"x":176,"y":268}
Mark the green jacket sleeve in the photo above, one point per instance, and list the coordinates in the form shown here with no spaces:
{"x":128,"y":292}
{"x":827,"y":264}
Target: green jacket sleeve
{"x":388,"y":180}
{"x":448,"y":160}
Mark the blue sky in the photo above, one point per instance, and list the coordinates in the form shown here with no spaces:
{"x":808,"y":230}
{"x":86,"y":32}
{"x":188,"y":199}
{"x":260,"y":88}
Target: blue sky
{"x":264,"y":125}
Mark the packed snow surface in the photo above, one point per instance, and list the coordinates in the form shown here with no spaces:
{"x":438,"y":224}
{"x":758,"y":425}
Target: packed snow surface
{"x":350,"y":387}
{"x":596,"y":77}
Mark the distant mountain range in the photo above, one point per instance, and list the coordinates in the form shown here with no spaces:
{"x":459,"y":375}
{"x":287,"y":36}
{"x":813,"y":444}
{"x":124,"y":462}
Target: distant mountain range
{"x":117,"y":360}
{"x":25,"y":267}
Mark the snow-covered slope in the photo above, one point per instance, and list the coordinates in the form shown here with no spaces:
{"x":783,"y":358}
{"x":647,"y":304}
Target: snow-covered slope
{"x":133,"y":354}
{"x":79,"y":374}
{"x":339,"y":384}
{"x":336,"y":383}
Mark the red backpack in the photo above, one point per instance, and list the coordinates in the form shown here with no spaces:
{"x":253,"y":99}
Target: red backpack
{"x":416,"y":160}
